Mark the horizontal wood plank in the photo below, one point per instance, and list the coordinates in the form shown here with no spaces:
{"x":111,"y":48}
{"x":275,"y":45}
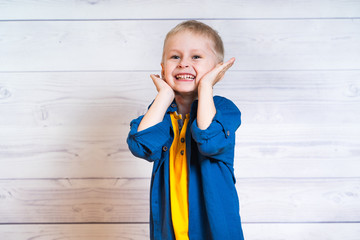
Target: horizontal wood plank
{"x":240,"y":86}
{"x":126,"y":200}
{"x":88,"y":99}
{"x":348,"y":231}
{"x":74,"y":200}
{"x":96,"y":9}
{"x":76,"y":113}
{"x":75,"y":232}
{"x":261,"y":151}
{"x":103,"y":45}
{"x":254,"y":231}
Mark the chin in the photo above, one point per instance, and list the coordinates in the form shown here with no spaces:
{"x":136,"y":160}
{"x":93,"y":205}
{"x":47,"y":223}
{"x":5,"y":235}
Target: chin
{"x":187,"y":92}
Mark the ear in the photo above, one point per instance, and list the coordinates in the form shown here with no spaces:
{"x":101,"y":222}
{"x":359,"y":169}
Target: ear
{"x":162,"y":71}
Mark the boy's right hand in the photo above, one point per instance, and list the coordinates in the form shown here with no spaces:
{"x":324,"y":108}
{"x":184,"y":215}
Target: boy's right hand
{"x":161,"y":85}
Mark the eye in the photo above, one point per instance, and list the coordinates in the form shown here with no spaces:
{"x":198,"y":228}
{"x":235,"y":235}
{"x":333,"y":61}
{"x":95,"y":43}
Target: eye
{"x":196,"y":57}
{"x":175,"y":57}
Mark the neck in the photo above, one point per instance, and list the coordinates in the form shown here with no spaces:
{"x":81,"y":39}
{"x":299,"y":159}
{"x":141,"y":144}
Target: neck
{"x":184,"y":103}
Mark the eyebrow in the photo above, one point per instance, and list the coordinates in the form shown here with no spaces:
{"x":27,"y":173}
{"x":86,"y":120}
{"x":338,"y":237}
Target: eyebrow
{"x":191,"y":50}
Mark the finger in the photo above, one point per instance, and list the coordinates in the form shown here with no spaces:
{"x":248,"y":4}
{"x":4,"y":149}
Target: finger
{"x":154,"y":76}
{"x":229,"y":64}
{"x":225,"y":67}
{"x":156,"y":80}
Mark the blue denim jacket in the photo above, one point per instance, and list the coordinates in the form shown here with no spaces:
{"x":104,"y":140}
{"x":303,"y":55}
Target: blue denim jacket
{"x":213,"y":200}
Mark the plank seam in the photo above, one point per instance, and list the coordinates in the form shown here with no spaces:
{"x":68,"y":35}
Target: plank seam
{"x":148,"y":178}
{"x":155,"y":70}
{"x":70,"y":223}
{"x":178,"y":19}
{"x":114,"y":223}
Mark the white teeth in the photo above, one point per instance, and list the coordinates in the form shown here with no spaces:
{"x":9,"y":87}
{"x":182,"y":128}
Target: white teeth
{"x":182,"y":76}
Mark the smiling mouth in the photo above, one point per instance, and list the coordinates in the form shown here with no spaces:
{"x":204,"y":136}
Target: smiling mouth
{"x":185,"y":77}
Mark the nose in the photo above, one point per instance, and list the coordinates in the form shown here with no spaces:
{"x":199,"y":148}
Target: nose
{"x":183,"y":63}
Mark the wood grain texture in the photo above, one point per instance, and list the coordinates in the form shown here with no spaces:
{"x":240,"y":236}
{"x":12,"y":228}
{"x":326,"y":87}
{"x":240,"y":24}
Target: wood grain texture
{"x":88,"y":99}
{"x":348,"y":231}
{"x":240,"y":86}
{"x":261,"y":151}
{"x":126,"y":200}
{"x":294,"y":124}
{"x":75,"y":232}
{"x":100,"y":9}
{"x":254,"y":231}
{"x":75,"y":200}
{"x":74,"y":73}
{"x":124,"y":45}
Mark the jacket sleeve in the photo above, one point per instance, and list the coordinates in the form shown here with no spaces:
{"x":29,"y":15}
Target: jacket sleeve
{"x":149,"y":143}
{"x":218,"y":140}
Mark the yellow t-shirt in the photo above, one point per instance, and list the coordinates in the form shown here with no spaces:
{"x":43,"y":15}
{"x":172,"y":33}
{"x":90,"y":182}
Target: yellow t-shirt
{"x":178,"y":170}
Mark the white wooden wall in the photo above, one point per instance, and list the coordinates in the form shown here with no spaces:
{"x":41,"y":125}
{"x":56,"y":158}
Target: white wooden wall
{"x":74,"y":73}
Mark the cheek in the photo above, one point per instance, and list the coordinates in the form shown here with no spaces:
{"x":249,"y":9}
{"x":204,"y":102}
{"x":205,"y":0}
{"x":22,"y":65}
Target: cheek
{"x":201,"y":71}
{"x":168,"y":70}
{"x":168,"y":78}
{"x":164,"y":73}
{"x":209,"y":65}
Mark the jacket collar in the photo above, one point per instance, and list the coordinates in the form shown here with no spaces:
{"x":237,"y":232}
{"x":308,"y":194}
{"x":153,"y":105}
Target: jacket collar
{"x":173,"y":108}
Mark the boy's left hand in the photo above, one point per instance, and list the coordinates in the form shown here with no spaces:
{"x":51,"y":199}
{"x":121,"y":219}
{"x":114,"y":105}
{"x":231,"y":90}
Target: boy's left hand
{"x":216,"y":74}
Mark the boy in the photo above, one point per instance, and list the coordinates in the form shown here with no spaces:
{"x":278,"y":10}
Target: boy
{"x":189,"y":135}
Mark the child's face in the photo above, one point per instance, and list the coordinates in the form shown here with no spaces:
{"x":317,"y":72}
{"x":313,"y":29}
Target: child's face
{"x":187,"y":58}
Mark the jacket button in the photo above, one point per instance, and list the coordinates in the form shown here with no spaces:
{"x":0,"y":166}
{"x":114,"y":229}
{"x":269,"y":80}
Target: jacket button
{"x":228,"y":133}
{"x":182,"y":152}
{"x":165,"y":148}
{"x":182,"y":140}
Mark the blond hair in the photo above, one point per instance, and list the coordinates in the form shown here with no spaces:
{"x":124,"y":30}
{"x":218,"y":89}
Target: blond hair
{"x":197,"y":27}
